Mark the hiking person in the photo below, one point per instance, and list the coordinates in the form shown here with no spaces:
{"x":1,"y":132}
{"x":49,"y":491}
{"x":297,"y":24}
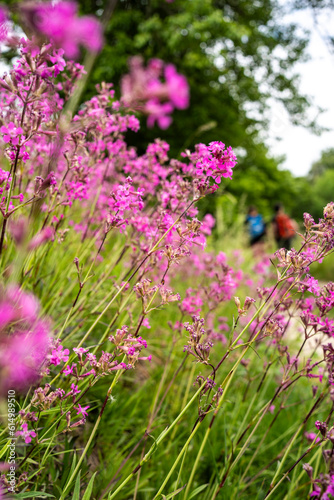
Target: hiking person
{"x":284,"y":227}
{"x":257,"y":230}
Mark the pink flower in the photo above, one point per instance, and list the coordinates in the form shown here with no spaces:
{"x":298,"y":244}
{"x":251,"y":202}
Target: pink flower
{"x":43,"y":236}
{"x":27,"y":346}
{"x":11,"y":133}
{"x":158,"y":112}
{"x":22,"y":356}
{"x":178,"y":88}
{"x":60,"y":23}
{"x":82,"y":410}
{"x":23,"y":348}
{"x":58,"y":61}
{"x":80,"y":350}
{"x":75,"y":390}
{"x":311,"y":436}
{"x":192,"y":304}
{"x":69,"y":370}
{"x":146,"y":323}
{"x":25,"y":303}
{"x":3,"y":25}
{"x":155,"y":90}
{"x":311,"y":285}
{"x":27,"y":435}
{"x":59,"y":355}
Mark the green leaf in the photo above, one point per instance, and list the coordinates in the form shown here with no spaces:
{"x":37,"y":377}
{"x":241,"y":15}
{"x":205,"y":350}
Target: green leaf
{"x":198,"y":490}
{"x":31,"y":461}
{"x":173,"y":494}
{"x":72,"y":467}
{"x":89,"y":489}
{"x":76,"y":492}
{"x":34,"y":494}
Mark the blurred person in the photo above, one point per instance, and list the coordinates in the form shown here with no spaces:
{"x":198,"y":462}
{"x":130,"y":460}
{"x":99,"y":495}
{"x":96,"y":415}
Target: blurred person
{"x":284,"y":227}
{"x":257,"y":230}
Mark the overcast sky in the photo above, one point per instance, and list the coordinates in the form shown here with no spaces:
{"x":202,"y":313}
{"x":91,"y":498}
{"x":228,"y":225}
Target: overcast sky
{"x":300,"y":146}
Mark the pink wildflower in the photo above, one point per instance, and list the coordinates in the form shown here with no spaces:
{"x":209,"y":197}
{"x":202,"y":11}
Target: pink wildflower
{"x":82,"y":410}
{"x":59,"y":355}
{"x":11,"y":133}
{"x":146,"y":323}
{"x":23,"y":352}
{"x":27,"y":435}
{"x":271,"y":408}
{"x":69,"y":370}
{"x":43,"y":236}
{"x":75,"y":390}
{"x":60,"y":23}
{"x":144,"y":89}
{"x":3,"y":25}
{"x":311,"y":436}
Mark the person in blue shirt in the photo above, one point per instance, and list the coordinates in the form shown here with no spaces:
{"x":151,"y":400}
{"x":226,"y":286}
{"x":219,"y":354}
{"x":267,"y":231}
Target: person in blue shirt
{"x":256,"y":226}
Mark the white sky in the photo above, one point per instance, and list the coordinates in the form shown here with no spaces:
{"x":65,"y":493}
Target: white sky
{"x":300,"y":146}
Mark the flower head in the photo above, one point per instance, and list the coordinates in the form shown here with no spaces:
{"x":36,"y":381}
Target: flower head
{"x":155,"y":90}
{"x":11,"y":133}
{"x":27,"y":435}
{"x":82,"y":410}
{"x":60,"y":23}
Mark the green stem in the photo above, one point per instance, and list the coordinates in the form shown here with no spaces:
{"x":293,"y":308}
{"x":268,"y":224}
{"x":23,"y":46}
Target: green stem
{"x":287,"y":451}
{"x":180,"y":455}
{"x":154,"y":446}
{"x":97,"y":423}
{"x":193,"y":470}
{"x":84,"y":452}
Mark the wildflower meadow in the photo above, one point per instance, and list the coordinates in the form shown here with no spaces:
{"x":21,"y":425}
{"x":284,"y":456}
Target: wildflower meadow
{"x":142,"y":357}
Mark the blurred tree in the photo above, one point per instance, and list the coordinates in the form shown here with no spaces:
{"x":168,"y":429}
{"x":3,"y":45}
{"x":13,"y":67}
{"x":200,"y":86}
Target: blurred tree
{"x":326,"y":162}
{"x":322,"y":14}
{"x":313,"y":4}
{"x":316,"y":189}
{"x":323,"y":191}
{"x":312,"y":192}
{"x":303,"y":199}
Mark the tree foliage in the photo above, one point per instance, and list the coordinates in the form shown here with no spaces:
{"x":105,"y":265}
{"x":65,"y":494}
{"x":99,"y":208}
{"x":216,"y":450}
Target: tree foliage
{"x":325,"y":162}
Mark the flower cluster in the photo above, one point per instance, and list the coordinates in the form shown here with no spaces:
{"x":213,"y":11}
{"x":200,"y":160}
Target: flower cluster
{"x":195,"y":346}
{"x":24,"y":340}
{"x":143,"y":89}
{"x":129,"y":346}
{"x":61,"y":25}
{"x":212,"y":161}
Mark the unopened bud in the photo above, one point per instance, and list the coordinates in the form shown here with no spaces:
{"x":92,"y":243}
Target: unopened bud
{"x":330,"y":434}
{"x":308,"y":469}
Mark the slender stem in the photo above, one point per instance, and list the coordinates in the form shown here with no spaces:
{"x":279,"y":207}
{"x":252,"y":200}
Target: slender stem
{"x":198,"y":457}
{"x":154,"y":446}
{"x":177,"y":460}
{"x":291,"y":468}
{"x":97,"y":423}
{"x":3,"y":231}
{"x":287,"y":451}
